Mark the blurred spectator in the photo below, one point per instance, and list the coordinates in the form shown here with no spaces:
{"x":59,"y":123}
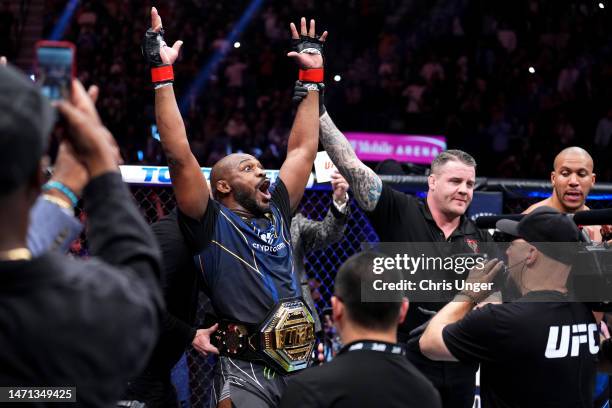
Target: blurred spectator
{"x":410,"y":69}
{"x":603,"y":135}
{"x":68,"y":318}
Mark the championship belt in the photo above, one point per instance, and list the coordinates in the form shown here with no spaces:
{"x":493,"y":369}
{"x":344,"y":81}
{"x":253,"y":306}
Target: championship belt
{"x":285,"y":340}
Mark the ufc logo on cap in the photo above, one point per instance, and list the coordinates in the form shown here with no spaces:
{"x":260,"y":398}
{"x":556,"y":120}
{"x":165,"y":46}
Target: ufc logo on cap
{"x":580,"y":334}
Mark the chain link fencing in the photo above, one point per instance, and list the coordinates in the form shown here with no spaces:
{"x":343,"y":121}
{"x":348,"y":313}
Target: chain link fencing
{"x":193,"y":374}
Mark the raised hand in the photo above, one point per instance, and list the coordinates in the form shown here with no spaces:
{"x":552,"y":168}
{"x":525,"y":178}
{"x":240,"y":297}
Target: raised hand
{"x":93,"y":144}
{"x":154,"y":48}
{"x":307,"y":47}
{"x":340,"y":187}
{"x":479,"y":281}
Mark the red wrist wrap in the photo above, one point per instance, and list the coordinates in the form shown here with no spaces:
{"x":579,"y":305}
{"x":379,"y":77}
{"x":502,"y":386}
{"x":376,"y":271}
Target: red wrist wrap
{"x":311,"y":75}
{"x":164,"y":73}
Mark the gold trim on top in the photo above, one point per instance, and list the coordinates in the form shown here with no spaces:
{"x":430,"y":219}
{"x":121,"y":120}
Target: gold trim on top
{"x":282,"y":229}
{"x":234,"y":225}
{"x":256,"y":269}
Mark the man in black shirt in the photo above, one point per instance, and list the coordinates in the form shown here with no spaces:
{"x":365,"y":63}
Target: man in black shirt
{"x":180,"y":288}
{"x":397,"y":217}
{"x":65,"y":322}
{"x":539,"y":351}
{"x":370,"y":370}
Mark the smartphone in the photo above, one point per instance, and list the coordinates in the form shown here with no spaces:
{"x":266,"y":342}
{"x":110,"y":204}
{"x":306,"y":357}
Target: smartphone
{"x":55,"y":68}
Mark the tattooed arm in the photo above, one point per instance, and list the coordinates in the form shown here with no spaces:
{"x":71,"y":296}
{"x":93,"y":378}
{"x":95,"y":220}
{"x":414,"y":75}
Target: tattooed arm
{"x":366,"y":185}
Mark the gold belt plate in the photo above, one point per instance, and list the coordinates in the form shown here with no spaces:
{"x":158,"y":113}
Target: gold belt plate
{"x":288,"y":335}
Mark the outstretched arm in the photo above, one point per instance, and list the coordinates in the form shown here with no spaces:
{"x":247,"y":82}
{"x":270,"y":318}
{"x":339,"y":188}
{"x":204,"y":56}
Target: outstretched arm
{"x":366,"y":185}
{"x":303,"y":139}
{"x":188,"y":181}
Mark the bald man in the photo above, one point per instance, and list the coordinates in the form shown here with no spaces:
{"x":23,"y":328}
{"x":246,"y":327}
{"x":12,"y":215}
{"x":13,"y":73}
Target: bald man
{"x":572,"y":178}
{"x":240,"y":236}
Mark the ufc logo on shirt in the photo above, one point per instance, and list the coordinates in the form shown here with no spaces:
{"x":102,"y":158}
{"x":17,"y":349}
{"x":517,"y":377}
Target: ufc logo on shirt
{"x":574,"y":335}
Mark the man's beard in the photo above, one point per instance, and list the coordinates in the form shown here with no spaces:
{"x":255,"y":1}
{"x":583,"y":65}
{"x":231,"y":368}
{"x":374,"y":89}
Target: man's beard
{"x":248,"y":203}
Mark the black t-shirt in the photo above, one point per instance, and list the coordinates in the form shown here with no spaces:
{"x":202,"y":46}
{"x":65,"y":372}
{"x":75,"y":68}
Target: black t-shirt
{"x":180,"y":284}
{"x":399,"y":217}
{"x":246,"y":265}
{"x":361,"y":378}
{"x":540,"y":351}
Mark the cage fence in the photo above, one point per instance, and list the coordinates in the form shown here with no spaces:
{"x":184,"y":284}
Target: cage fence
{"x":193,"y":374}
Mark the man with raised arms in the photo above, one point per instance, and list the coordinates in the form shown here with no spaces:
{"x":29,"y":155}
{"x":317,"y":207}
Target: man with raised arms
{"x":240,"y":237}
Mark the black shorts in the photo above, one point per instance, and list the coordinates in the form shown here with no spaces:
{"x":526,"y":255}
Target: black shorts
{"x":247,"y":384}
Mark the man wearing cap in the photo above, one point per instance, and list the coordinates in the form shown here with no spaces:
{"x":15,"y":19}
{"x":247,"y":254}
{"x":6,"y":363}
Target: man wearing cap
{"x":540,"y":350}
{"x":71,"y":323}
{"x":572,"y":179}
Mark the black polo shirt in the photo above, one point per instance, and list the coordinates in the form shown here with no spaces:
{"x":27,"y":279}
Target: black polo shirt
{"x":358,"y":377}
{"x":399,"y":217}
{"x":540,"y":351}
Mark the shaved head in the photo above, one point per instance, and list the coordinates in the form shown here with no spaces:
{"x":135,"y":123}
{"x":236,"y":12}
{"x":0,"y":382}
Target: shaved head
{"x":572,"y":179}
{"x":574,"y":152}
{"x":223,"y":168}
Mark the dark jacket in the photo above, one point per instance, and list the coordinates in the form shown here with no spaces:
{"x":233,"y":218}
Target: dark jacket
{"x":92,"y":323}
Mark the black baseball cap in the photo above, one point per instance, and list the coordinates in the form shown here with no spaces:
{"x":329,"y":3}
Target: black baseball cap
{"x":545,"y":228}
{"x":26,"y":120}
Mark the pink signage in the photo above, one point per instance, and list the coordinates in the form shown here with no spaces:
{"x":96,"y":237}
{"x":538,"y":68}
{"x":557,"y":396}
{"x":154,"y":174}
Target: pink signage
{"x":403,"y":148}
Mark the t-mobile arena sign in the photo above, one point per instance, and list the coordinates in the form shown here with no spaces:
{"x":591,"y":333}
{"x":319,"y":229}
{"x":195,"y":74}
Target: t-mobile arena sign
{"x":403,"y":148}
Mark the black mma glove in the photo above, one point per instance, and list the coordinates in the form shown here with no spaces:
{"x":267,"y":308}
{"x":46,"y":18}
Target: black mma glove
{"x":300,"y":92}
{"x":160,"y":73}
{"x":309,"y":45}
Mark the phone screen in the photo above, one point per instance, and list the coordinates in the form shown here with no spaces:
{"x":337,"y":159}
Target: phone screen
{"x":54,"y":71}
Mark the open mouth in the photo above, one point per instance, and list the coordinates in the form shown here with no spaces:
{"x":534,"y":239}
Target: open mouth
{"x":573,"y":195}
{"x":263,"y":188}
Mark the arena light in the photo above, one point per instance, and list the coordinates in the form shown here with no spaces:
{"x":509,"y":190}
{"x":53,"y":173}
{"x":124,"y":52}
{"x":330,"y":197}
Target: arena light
{"x":64,"y":20}
{"x":531,"y":70}
{"x":337,"y":78}
{"x":237,"y":44}
{"x":209,"y":68}
{"x":601,"y":5}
